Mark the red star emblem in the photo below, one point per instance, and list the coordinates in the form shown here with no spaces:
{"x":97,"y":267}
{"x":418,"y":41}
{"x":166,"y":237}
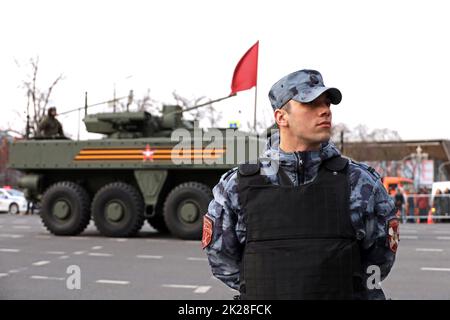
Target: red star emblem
{"x":148,"y":153}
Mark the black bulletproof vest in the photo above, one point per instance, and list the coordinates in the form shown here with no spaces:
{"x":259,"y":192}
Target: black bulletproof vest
{"x":300,"y":241}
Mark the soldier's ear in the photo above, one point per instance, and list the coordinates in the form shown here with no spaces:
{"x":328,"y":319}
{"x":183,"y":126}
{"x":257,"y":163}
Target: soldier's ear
{"x":281,"y":116}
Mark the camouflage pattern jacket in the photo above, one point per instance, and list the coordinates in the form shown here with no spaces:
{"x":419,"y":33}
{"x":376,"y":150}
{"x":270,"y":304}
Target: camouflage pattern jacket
{"x":372,"y":211}
{"x":50,"y":127}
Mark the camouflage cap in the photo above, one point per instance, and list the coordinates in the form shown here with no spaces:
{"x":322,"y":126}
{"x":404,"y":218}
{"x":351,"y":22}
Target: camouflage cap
{"x":302,"y":86}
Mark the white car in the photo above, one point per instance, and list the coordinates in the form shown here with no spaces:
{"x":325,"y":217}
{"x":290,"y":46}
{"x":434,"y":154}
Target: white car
{"x":12,"y":201}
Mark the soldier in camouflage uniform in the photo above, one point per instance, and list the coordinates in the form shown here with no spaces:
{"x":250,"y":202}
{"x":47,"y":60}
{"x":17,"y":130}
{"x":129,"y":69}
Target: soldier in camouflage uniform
{"x":50,"y":127}
{"x":245,"y":246}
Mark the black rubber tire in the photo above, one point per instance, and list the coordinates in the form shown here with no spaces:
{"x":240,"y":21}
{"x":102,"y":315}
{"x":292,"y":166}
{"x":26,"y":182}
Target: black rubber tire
{"x":13,"y":208}
{"x":195,"y":193}
{"x":76,"y":198}
{"x":132,"y":205}
{"x":157,"y":222}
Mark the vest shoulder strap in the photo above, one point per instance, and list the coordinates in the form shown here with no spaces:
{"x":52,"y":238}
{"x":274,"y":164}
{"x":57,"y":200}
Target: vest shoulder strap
{"x":249,"y":169}
{"x":338,"y":163}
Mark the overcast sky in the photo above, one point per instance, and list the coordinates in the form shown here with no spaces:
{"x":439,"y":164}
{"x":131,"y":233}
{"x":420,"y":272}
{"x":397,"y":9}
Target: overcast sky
{"x":390,"y":59}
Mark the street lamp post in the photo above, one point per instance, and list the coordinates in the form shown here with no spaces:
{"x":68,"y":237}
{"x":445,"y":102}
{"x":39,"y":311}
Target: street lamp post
{"x":418,"y":157}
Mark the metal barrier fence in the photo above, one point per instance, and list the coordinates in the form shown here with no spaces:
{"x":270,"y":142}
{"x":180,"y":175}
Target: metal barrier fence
{"x":424,"y":208}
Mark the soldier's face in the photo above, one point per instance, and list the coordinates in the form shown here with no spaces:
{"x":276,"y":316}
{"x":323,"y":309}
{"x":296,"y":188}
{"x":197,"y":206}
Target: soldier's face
{"x":310,"y":123}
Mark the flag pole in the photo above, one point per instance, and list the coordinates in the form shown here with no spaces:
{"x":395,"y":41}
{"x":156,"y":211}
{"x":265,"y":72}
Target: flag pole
{"x":245,"y":75}
{"x":254,"y":116}
{"x":256,"y":89}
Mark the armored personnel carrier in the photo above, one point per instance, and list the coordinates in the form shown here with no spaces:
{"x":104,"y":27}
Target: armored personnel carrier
{"x":155,"y":168}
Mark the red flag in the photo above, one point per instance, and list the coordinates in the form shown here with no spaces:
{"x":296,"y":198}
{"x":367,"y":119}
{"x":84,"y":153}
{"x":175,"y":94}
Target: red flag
{"x":246,"y":71}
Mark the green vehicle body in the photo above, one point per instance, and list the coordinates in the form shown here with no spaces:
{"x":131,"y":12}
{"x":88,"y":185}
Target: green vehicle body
{"x":139,"y":171}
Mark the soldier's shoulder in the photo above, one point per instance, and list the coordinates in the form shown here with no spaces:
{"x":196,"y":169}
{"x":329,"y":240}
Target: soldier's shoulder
{"x":228,"y":180}
{"x":229,"y":175}
{"x":226,"y":189}
{"x":245,"y":169}
{"x":363,"y":169}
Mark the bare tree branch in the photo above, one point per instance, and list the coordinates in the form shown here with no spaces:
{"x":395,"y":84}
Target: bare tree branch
{"x":146,"y":103}
{"x":208,"y":112}
{"x":362,"y":133}
{"x":37,"y":99}
{"x":50,"y":89}
{"x":14,"y":131}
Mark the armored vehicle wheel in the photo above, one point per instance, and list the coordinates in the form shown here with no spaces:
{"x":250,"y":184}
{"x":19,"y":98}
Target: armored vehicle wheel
{"x":118,"y":210}
{"x":65,"y":209}
{"x":157,"y":222}
{"x":184,"y":209}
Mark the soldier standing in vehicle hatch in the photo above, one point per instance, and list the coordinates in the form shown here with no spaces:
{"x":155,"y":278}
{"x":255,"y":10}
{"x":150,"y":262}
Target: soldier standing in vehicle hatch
{"x":315,"y":229}
{"x":50,"y":127}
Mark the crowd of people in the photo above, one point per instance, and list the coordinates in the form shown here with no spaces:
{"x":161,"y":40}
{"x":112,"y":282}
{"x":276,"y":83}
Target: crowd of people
{"x":421,"y":206}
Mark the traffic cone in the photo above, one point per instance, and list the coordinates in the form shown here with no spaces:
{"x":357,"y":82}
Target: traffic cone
{"x":430,"y":217}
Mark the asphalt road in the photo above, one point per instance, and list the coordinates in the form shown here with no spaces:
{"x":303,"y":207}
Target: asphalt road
{"x":422,"y":267}
{"x":37,"y":265}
